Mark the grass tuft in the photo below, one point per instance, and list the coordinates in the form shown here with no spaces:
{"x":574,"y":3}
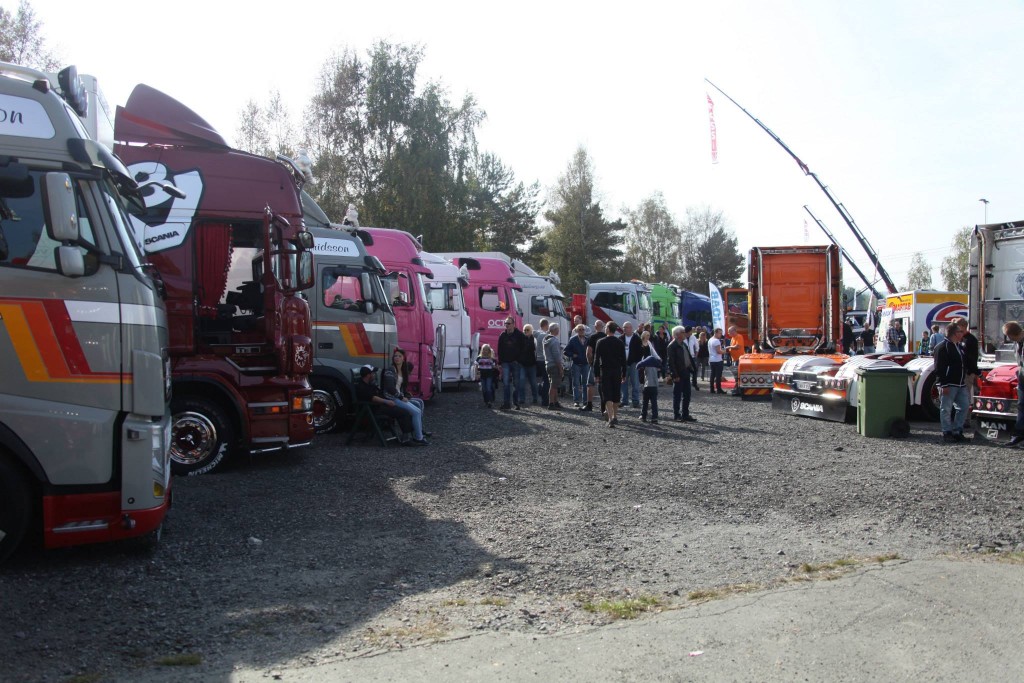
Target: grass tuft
{"x":494,"y":601}
{"x":184,"y":659}
{"x":624,"y":609}
{"x":457,"y":602}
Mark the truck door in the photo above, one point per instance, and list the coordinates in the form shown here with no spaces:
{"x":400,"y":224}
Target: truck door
{"x":60,"y":337}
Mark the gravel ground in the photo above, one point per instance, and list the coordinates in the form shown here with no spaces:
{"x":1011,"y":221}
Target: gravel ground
{"x":510,"y":521}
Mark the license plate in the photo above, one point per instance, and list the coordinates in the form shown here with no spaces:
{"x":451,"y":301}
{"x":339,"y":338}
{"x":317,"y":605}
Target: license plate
{"x":803,"y":385}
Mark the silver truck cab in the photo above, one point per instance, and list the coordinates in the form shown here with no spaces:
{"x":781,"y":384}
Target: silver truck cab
{"x":353,"y":324}
{"x":83,"y":330}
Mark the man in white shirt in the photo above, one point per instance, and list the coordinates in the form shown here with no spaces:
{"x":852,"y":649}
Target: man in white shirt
{"x":716,"y":360}
{"x":694,"y":346}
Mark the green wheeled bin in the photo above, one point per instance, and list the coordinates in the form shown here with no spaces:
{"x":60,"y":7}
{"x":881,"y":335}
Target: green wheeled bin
{"x":882,"y":399}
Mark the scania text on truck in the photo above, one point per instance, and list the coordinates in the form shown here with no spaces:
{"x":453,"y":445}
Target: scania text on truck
{"x":353,"y":324}
{"x":234,"y":257}
{"x":795,"y":297}
{"x":84,"y":417}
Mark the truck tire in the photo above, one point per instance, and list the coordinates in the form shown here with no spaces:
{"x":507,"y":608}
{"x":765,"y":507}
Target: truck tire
{"x":15,"y":506}
{"x":930,"y":399}
{"x":201,"y":436}
{"x":328,"y":405}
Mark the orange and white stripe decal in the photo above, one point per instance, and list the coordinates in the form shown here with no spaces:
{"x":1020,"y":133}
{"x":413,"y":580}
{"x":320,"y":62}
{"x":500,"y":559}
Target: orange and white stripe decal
{"x":44,"y":339}
{"x":354,"y":335}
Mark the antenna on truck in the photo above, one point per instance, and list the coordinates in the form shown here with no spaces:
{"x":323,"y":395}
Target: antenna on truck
{"x":824,"y":188}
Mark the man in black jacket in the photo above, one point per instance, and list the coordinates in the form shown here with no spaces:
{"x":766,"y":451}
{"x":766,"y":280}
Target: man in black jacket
{"x":610,"y":371}
{"x":680,"y":364}
{"x":951,"y":378}
{"x":510,"y":348}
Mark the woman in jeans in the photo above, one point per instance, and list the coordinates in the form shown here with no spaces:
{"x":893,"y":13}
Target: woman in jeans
{"x":702,"y":353}
{"x":395,"y":385}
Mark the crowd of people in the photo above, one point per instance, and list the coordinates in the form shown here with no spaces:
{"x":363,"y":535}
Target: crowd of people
{"x":609,"y":366}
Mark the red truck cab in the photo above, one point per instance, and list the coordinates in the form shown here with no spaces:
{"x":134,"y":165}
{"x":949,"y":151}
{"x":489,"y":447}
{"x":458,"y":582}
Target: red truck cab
{"x":233,"y":256}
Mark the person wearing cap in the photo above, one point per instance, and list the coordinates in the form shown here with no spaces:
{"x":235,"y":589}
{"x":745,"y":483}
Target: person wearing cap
{"x":367,"y":391}
{"x":510,"y":348}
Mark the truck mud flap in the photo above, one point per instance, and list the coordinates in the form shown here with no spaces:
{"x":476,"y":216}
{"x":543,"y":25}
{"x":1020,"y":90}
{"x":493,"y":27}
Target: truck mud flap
{"x":992,"y":429}
{"x":809,"y":406}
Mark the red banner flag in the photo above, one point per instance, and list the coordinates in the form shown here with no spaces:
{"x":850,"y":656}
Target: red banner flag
{"x":714,"y":135}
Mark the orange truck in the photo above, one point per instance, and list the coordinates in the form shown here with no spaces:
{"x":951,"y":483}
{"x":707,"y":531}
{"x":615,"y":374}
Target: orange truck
{"x":794,"y":310}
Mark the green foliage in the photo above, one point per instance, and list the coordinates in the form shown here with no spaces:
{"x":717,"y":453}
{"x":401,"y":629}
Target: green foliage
{"x":710,"y":251}
{"x":919,"y":276}
{"x":22,"y":41}
{"x":267,"y":130}
{"x":954,"y":268}
{"x":653,"y":241}
{"x":402,"y":152}
{"x":580,"y":243}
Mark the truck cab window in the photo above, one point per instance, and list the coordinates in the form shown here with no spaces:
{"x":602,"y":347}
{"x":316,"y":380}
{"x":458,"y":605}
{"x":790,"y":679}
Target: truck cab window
{"x":400,"y":291}
{"x":24,"y":228}
{"x":540,"y":305}
{"x":493,"y":299}
{"x":343,"y":291}
{"x":443,"y":297}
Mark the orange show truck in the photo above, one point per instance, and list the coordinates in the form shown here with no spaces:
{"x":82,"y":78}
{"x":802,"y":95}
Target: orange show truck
{"x":794,"y":310}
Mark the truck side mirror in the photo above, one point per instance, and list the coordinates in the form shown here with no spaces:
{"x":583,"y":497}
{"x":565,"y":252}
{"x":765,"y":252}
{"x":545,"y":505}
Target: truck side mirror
{"x":61,"y":210}
{"x":70,"y":261}
{"x":369,"y":307}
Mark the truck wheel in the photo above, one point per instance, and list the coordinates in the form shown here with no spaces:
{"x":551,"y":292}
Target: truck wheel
{"x":15,"y":507}
{"x":201,"y":436}
{"x":930,"y":399}
{"x":328,"y":405}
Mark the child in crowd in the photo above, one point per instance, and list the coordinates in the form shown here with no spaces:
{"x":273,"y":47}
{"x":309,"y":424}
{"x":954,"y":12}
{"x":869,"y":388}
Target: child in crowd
{"x":649,"y":367}
{"x":487,"y":369}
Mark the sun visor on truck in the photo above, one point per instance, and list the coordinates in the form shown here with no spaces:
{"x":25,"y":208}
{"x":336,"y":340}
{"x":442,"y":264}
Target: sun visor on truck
{"x":152,"y":117}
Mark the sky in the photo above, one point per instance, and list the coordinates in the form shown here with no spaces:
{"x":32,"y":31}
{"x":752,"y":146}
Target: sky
{"x":909,"y":111}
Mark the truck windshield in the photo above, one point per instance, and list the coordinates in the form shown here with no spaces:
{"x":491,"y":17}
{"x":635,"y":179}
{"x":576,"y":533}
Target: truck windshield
{"x":118,"y":207}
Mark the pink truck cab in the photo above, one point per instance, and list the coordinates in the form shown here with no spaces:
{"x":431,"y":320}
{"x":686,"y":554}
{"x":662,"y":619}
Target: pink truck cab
{"x":490,"y":296}
{"x":400,"y":253}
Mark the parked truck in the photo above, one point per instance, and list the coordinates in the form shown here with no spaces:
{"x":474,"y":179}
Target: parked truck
{"x":996,"y":289}
{"x":457,"y":344}
{"x":795,"y":295}
{"x":491,"y":296}
{"x":621,"y":302}
{"x":234,"y":257}
{"x":399,"y":251}
{"x":353,"y":322}
{"x":539,"y":297}
{"x":826,"y":386}
{"x":666,"y":300}
{"x":84,"y":413}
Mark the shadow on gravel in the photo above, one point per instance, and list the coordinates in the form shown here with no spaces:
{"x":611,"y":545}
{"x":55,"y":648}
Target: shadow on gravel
{"x":265,"y":563}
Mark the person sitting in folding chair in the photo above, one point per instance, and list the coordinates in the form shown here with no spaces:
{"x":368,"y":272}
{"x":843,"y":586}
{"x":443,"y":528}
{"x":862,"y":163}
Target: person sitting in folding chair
{"x":368,"y":391}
